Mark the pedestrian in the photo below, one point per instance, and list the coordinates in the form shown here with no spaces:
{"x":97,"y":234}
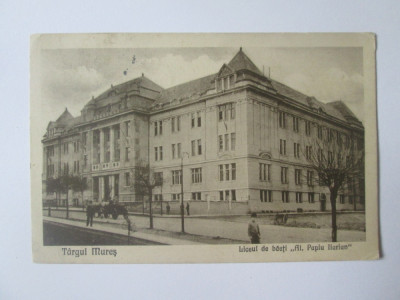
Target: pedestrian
{"x":89,"y":214}
{"x":254,"y":230}
{"x":187,"y":208}
{"x":168,"y":208}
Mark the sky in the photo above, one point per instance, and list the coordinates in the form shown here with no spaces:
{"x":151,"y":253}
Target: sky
{"x":70,"y":77}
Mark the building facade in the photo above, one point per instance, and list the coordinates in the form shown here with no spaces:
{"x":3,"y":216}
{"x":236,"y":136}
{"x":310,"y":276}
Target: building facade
{"x":241,"y":139}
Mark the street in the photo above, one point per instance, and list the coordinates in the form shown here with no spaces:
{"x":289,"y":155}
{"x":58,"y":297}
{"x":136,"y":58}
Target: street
{"x":56,"y":234}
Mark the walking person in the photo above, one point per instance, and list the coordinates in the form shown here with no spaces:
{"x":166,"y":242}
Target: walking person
{"x":187,"y":208}
{"x":254,"y":230}
{"x":89,"y":214}
{"x":168,"y":208}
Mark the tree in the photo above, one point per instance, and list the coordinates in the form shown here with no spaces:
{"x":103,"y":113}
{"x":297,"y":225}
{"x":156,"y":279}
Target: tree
{"x":335,"y":162}
{"x":67,"y":182}
{"x":144,"y":181}
{"x":79,"y":184}
{"x":54,"y":185}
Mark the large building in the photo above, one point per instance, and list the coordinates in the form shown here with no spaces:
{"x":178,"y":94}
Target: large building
{"x":241,"y":137}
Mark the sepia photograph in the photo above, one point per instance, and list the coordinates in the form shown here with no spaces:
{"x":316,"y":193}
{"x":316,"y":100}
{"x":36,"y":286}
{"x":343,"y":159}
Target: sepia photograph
{"x":245,"y":143}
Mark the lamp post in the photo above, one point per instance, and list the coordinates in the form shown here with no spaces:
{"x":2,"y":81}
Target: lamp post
{"x":182,"y":206}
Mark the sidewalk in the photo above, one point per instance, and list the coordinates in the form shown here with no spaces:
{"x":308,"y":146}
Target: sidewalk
{"x":215,"y":229}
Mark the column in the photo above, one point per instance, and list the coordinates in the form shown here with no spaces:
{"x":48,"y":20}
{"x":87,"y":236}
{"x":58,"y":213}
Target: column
{"x":112,"y":186}
{"x":111,"y":144}
{"x":101,"y":188}
{"x":101,"y":146}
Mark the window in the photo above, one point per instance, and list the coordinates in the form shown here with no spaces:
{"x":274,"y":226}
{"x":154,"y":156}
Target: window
{"x":196,"y":196}
{"x":227,"y":195}
{"x":227,"y":172}
{"x":351,"y":199}
{"x":319,"y":132}
{"x":233,"y":195}
{"x":320,"y":155}
{"x":117,"y":133}
{"x":158,"y":178}
{"x":178,"y":123}
{"x":173,"y":151}
{"x":330,"y":135}
{"x":127,"y":125}
{"x":299,"y":197}
{"x":76,"y":146}
{"x":341,"y":199}
{"x":296,"y":149}
{"x":127,"y":179}
{"x":199,"y":147}
{"x":173,"y":124}
{"x":158,"y":153}
{"x":311,"y":197}
{"x":295,"y":124}
{"x":282,"y":147}
{"x":284,"y":178}
{"x":196,"y":175}
{"x":198,"y":119}
{"x":193,"y":148}
{"x":232,"y":81}
{"x":264,"y":172}
{"x":196,"y":145}
{"x":282,"y":119}
{"x":233,"y":141}
{"x":155,"y":128}
{"x":176,"y":177}
{"x":308,"y":127}
{"x":297,"y":176}
{"x":193,"y":120}
{"x":176,"y":197}
{"x":106,"y":135}
{"x":223,"y":142}
{"x":65,"y":148}
{"x":160,"y":127}
{"x":285,"y":196}
{"x":226,"y":142}
{"x":310,"y":175}
{"x":265,"y":196}
{"x":107,"y":156}
{"x":66,"y":168}
{"x":233,"y":171}
{"x":179,"y":150}
{"x":85,"y":160}
{"x":50,"y":151}
{"x":158,"y":197}
{"x":226,"y":111}
{"x":308,"y":152}
{"x":339,"y":138}
{"x":127,"y":151}
{"x":330,"y":157}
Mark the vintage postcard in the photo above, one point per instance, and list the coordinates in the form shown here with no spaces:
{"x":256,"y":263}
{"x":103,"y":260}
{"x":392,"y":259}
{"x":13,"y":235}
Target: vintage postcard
{"x":203,"y":148}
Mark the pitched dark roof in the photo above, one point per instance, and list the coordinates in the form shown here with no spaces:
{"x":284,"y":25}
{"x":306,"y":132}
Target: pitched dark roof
{"x":307,"y":100}
{"x":241,"y":62}
{"x":130,"y":85}
{"x":341,"y":107}
{"x":64,"y":117}
{"x":189,"y":90}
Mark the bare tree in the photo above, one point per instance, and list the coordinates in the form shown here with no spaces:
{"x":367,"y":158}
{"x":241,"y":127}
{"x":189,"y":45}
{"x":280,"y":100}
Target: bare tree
{"x":79,"y":184}
{"x":144,"y":181}
{"x":336,"y":159}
